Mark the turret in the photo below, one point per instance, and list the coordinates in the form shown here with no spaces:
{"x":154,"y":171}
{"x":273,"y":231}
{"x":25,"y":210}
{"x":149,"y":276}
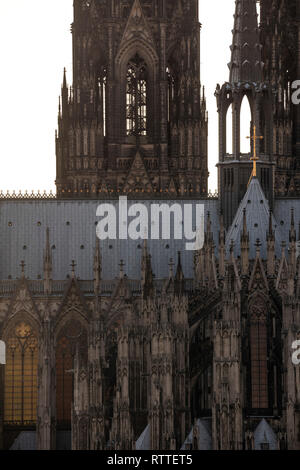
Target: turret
{"x":47,"y":265}
{"x":245,"y":82}
{"x":97,"y":268}
{"x":245,"y":247}
{"x":271,"y":248}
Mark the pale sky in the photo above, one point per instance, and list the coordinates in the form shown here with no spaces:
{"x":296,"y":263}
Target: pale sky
{"x":35,"y":47}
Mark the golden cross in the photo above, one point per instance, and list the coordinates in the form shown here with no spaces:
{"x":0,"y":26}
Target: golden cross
{"x":255,"y":158}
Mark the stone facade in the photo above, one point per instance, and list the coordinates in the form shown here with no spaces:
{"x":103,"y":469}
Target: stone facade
{"x":112,"y":140}
{"x":280,"y":29}
{"x":153,"y":361}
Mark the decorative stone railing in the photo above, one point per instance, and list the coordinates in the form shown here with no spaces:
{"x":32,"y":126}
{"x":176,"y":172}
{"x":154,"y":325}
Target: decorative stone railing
{"x":40,"y":195}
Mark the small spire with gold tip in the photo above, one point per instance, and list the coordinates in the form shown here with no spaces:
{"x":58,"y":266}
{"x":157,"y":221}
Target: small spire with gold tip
{"x":255,"y":158}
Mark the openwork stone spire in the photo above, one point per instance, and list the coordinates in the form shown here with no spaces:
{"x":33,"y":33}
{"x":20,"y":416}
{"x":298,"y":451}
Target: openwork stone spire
{"x":246,"y":64}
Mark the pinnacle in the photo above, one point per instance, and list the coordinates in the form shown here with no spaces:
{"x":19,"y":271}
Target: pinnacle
{"x":246,"y":63}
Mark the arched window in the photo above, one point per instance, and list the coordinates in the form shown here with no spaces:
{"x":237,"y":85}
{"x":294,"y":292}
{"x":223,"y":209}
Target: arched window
{"x":102,"y":83}
{"x":171,"y":94}
{"x":20,"y":401}
{"x":229,"y":131}
{"x":259,"y":356}
{"x":71,"y":339}
{"x":136,"y":97}
{"x":245,"y":126}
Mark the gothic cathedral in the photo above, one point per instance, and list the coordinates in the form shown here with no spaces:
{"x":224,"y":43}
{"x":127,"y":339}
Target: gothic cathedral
{"x":142,"y":344}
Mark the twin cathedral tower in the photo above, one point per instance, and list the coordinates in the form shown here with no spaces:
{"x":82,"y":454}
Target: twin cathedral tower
{"x":134,"y":121}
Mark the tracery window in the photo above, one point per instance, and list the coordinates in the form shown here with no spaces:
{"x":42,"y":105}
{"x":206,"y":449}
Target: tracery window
{"x":71,"y":340}
{"x":259,"y":356}
{"x":102,"y":83}
{"x":20,"y":401}
{"x":136,"y":97}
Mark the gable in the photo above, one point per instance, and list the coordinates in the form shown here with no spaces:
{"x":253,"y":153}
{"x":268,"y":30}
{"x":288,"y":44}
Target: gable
{"x":138,"y":179}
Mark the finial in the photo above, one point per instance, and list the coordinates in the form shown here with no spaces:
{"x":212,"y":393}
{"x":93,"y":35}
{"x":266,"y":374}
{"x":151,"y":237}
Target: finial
{"x":244,"y":222}
{"x":22,"y":265}
{"x":65,"y":79}
{"x":171,"y":266}
{"x":283,"y":247}
{"x":47,"y":254}
{"x":221,"y":220}
{"x":73,"y":266}
{"x":122,"y":264}
{"x":255,"y":158}
{"x":292,"y":218}
{"x":47,"y":242}
{"x":222,"y":230}
{"x":270,"y":222}
{"x":145,"y":244}
{"x":258,"y":243}
{"x":293,"y":234}
{"x":208,"y":223}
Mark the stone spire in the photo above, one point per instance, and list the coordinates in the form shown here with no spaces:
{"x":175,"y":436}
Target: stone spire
{"x":146,"y":271}
{"x":97,"y":268}
{"x":222,"y":250}
{"x":245,"y":245}
{"x":179,"y":277}
{"x":271,"y":247}
{"x":47,"y":264}
{"x":246,"y":64}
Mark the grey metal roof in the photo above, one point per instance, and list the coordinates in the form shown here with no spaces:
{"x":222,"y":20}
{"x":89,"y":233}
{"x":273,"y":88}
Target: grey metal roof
{"x":246,"y":63}
{"x":26,"y":440}
{"x":282,"y":214}
{"x":264,"y":434}
{"x":144,"y":441}
{"x":257,"y":217}
{"x":73,"y":237}
{"x":204,"y":436}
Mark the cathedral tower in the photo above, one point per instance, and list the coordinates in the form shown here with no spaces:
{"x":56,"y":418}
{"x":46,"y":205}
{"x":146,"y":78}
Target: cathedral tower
{"x":245,"y":82}
{"x":134,"y":120}
{"x":280,"y":32}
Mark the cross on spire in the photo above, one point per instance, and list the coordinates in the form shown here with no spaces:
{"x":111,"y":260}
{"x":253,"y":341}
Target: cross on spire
{"x":22,"y":265}
{"x":255,"y":158}
{"x":122,"y":264}
{"x":73,"y":266}
{"x":171,"y":266}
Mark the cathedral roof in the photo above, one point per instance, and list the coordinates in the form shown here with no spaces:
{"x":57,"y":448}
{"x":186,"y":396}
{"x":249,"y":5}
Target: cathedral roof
{"x":72,"y":235}
{"x":246,"y":64}
{"x":264,"y":434}
{"x":202,"y":431}
{"x":26,"y":440}
{"x":257,"y":219}
{"x":144,"y":441}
